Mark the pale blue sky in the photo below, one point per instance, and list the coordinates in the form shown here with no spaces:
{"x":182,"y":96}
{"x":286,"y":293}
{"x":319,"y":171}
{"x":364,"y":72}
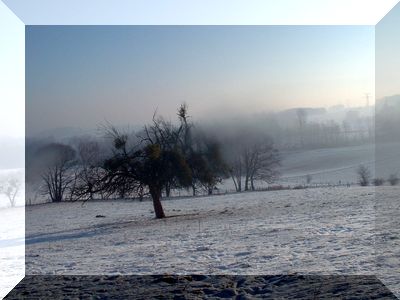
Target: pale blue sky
{"x":82,"y":75}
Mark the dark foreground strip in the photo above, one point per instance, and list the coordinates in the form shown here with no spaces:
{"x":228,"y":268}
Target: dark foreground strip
{"x":200,"y":287}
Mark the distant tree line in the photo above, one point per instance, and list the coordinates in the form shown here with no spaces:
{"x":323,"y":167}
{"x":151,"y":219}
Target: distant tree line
{"x":296,"y":129}
{"x":388,"y":119}
{"x":365,"y":177}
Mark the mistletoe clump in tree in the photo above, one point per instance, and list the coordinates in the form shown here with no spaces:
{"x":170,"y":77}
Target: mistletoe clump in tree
{"x":160,"y":159}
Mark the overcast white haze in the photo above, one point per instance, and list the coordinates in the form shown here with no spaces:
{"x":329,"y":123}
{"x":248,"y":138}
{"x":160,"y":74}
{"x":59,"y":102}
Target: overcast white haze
{"x":80,"y":76}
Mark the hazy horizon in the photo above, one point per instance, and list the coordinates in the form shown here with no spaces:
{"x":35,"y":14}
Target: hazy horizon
{"x":79,"y":76}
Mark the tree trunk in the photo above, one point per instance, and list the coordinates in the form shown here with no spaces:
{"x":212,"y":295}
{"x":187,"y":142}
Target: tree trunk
{"x":210,"y":190}
{"x":167,"y":190}
{"x":122,"y":193}
{"x":12,"y":200}
{"x":57,"y":197}
{"x":90,"y":189}
{"x":141,"y":193}
{"x":239,"y":181}
{"x":234,"y":181}
{"x":194,"y":190}
{"x":156,"y":196}
{"x":252,"y":184}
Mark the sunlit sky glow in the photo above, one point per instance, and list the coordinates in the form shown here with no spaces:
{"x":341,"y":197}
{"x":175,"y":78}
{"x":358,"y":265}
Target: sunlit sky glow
{"x":82,"y":75}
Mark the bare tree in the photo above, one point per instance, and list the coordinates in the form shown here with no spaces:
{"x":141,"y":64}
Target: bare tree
{"x":251,"y":156}
{"x":261,"y":162}
{"x":56,"y":161}
{"x":237,"y":174}
{"x":115,"y":175}
{"x":10,"y":188}
{"x":89,"y":174}
{"x":378,"y":181}
{"x":235,"y":142}
{"x":364,"y":175}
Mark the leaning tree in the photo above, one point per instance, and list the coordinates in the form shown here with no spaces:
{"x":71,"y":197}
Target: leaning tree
{"x":154,"y":161}
{"x":163,"y":157}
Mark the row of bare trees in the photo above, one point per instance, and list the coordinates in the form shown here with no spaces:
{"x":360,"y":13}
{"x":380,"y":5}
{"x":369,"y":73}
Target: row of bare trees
{"x":300,"y":129}
{"x":161,"y":158}
{"x":365,"y":177}
{"x":253,"y":160}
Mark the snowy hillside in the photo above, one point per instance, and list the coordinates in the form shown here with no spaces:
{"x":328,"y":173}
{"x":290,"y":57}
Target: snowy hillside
{"x":329,"y":165}
{"x":332,"y":165}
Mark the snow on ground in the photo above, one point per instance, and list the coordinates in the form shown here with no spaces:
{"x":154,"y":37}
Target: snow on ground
{"x":312,"y":231}
{"x":332,"y":166}
{"x":12,"y":248}
{"x":387,"y":227}
{"x":12,"y":233}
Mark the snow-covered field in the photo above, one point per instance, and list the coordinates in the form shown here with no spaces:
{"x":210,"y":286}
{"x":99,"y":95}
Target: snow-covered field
{"x":12,"y":233}
{"x":334,"y":165}
{"x":12,"y":248}
{"x":310,"y":231}
{"x":329,"y":165}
